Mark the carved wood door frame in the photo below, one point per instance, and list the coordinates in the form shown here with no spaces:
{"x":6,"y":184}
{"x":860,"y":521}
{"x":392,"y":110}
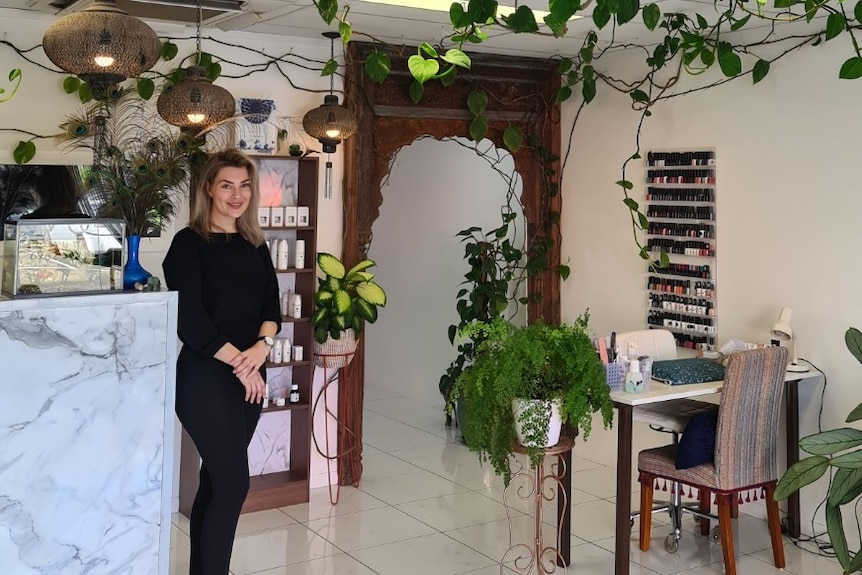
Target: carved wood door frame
{"x":521,"y":92}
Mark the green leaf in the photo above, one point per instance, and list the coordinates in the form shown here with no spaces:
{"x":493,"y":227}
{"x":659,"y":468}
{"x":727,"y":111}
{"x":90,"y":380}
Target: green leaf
{"x":832,"y":441}
{"x":853,"y":341}
{"x":663,"y":260}
{"x":627,"y":185}
{"x":146,"y":87}
{"x":372,"y":293}
{"x":565,"y":271}
{"x":558,"y":27}
{"x":416,"y":91}
{"x":205,"y":60}
{"x":811,"y":7}
{"x":512,"y":138}
{"x":601,"y":15}
{"x":329,"y":68}
{"x":639,"y":96}
{"x":477,"y":101}
{"x":457,"y":16}
{"x":643,"y":222}
{"x":481,"y":11}
{"x":566,"y":64}
{"x":478,"y":128}
{"x":457,"y":58}
{"x":341,"y":301}
{"x":213,"y":71}
{"x":846,"y":486}
{"x":588,"y":89}
{"x":377,"y":66}
{"x":802,"y":473}
{"x":360,"y":267}
{"x":345,"y":30}
{"x":522,"y":20}
{"x":707,"y":56}
{"x":564,"y":94}
{"x":730,"y":63}
{"x":365,"y":310}
{"x":330,"y":265}
{"x":857,"y":11}
{"x":71,"y":84}
{"x":84,"y":93}
{"x":169,"y":50}
{"x":737,"y":24}
{"x":428,"y":49}
{"x":627,"y":10}
{"x":421,"y":69}
{"x":785,"y":3}
{"x":701,"y":22}
{"x":14,"y":74}
{"x":322,"y":297}
{"x":835,"y":527}
{"x":327,"y":9}
{"x":852,"y":460}
{"x":651,"y":14}
{"x":761,"y":69}
{"x":835,"y":24}
{"x":851,"y":69}
{"x":24,"y":152}
{"x":855,"y":415}
{"x":630,"y":203}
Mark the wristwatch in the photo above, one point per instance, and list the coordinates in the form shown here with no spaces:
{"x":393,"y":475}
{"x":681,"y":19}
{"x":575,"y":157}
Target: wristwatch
{"x":267,"y":340}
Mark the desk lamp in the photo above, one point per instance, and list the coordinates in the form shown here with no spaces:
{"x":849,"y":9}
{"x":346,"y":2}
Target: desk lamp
{"x":782,"y":331}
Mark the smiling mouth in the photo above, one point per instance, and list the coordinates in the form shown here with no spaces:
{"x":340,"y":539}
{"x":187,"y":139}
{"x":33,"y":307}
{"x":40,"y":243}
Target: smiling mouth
{"x":236,"y":206}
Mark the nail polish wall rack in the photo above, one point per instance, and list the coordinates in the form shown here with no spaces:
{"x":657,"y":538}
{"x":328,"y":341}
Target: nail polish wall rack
{"x":680,"y":202}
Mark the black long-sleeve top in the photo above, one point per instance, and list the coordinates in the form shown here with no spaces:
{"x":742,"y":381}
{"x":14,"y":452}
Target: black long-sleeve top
{"x":227,"y":288}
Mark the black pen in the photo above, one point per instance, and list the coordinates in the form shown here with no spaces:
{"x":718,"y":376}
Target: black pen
{"x":612,"y":352}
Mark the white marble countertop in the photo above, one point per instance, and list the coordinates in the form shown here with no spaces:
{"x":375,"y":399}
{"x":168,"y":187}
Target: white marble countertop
{"x":61,"y":301}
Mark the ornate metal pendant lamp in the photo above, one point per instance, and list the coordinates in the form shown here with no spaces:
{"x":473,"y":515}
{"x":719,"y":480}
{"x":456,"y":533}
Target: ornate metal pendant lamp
{"x":102,"y":45}
{"x":330,"y":123}
{"x":195,"y":102}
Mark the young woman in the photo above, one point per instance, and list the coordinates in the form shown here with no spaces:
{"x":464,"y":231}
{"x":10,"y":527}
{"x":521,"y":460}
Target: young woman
{"x":228,"y":314}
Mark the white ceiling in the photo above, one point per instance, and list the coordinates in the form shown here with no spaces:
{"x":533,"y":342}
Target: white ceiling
{"x":399,"y":25}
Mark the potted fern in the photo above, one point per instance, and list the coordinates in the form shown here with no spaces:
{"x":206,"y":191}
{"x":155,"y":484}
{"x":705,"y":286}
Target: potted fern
{"x":555,"y":365}
{"x":344,"y":299}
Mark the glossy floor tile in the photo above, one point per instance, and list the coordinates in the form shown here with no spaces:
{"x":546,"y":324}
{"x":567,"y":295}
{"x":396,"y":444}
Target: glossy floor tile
{"x":425,"y":506}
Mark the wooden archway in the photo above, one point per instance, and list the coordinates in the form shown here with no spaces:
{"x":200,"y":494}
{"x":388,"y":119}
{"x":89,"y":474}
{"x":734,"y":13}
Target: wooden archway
{"x":521,"y":92}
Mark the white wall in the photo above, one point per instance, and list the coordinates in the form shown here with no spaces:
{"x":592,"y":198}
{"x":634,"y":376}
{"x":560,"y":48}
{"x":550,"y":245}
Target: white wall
{"x":788,"y":210}
{"x":435,"y":190}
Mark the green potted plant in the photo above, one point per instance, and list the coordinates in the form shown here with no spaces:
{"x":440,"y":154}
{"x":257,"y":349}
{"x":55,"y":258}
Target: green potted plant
{"x":344,"y":299}
{"x":554,"y":364}
{"x":829,"y":449}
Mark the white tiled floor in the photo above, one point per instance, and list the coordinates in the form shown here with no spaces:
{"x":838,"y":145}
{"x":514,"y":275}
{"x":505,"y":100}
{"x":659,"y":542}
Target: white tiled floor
{"x":426,"y":507}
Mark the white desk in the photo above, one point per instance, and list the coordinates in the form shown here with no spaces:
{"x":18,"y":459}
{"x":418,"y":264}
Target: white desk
{"x":658,"y":392}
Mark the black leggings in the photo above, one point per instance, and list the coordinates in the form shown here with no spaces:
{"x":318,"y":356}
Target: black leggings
{"x":211,"y":406}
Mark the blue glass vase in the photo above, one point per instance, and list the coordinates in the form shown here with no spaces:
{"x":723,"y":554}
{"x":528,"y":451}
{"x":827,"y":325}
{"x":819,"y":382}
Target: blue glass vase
{"x":132,"y":271}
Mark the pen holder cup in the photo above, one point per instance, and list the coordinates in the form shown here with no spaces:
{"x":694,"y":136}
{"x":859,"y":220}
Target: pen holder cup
{"x":615,"y":375}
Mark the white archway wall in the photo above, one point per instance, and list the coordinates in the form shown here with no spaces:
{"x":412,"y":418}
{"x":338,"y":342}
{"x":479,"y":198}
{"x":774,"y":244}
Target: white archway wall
{"x":420,"y":261}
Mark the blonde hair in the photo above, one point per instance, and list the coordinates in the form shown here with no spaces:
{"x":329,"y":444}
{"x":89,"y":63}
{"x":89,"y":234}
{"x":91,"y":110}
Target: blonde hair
{"x":246,"y":225}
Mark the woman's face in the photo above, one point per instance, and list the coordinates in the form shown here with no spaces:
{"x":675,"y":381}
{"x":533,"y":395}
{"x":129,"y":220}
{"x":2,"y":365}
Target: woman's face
{"x":231,"y":194}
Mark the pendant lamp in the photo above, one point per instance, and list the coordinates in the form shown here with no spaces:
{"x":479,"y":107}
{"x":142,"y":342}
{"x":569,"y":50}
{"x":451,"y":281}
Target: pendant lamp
{"x":330,"y":123}
{"x":195,"y":102}
{"x":102,"y":45}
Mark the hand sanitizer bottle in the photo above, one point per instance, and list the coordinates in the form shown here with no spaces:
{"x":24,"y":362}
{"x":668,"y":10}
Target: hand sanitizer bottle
{"x":634,"y":377}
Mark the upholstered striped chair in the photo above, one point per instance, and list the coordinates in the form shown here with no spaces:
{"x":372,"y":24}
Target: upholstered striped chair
{"x":745,"y":449}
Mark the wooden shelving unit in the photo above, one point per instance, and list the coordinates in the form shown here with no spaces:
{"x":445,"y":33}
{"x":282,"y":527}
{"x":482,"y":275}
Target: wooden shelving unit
{"x":289,"y":487}
{"x":680,"y":207}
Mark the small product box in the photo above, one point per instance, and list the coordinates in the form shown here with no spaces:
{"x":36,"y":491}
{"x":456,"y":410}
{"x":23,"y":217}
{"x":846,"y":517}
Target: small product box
{"x":290,"y":216}
{"x":277,"y":217}
{"x":263,"y":217}
{"x":302,"y":215}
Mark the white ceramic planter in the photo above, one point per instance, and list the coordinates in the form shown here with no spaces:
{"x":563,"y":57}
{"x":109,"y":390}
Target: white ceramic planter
{"x":525,"y":409}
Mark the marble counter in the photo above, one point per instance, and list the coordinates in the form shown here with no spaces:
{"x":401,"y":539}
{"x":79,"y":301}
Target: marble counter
{"x":87,"y":434}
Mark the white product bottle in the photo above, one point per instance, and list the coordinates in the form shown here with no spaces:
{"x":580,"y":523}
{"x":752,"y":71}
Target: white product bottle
{"x":634,"y":377}
{"x":296,"y":307}
{"x":300,"y":254}
{"x":273,"y":253}
{"x":266,"y":395}
{"x":282,"y":254}
{"x":285,"y":303}
{"x":294,"y":393}
{"x":277,"y":350}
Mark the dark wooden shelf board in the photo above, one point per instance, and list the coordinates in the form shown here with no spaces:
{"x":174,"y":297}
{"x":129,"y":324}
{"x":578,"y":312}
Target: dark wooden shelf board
{"x":286,"y":407}
{"x":273,"y":490}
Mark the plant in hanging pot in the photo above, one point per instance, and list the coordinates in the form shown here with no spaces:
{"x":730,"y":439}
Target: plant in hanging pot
{"x":554,"y":368}
{"x":344,"y":299}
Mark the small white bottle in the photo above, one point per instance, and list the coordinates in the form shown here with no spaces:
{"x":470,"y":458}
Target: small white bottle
{"x":282,"y":254}
{"x":634,"y":377}
{"x":277,"y":350}
{"x":285,"y":303}
{"x":296,"y":306}
{"x":300,"y":254}
{"x":285,"y":346}
{"x":266,"y":395}
{"x":273,"y":253}
{"x":294,"y":393}
{"x":297,"y":353}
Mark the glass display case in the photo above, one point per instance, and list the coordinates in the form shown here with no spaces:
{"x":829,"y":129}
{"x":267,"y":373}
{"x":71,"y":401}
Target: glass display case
{"x":62,"y":256}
